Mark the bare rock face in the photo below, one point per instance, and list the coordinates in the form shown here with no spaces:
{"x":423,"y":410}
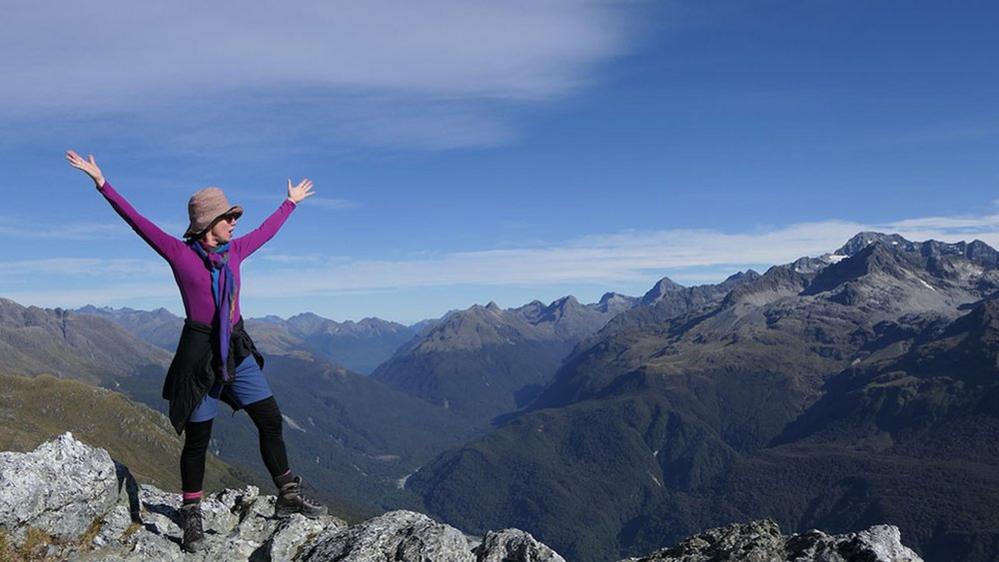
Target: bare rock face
{"x":61,"y":487}
{"x":756,"y":541}
{"x":89,"y":508}
{"x":513,"y":544}
{"x":761,"y":541}
{"x":396,"y":535}
{"x":880,"y":542}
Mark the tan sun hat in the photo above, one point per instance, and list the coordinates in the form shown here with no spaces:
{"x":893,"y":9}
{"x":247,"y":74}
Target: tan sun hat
{"x":205,"y":206}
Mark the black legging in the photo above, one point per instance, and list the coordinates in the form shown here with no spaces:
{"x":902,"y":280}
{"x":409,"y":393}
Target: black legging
{"x":265,"y":415}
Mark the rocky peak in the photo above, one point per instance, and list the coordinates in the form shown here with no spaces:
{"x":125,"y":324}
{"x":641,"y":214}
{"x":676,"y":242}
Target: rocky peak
{"x":864,"y":239}
{"x":976,"y":251}
{"x":808,"y":265}
{"x":270,"y":319}
{"x":936,"y":248}
{"x":608,"y":297}
{"x":777,"y":282}
{"x":307,"y":323}
{"x":661,"y":289}
{"x":613,"y":303}
{"x":762,"y":540}
{"x":741,"y":277}
{"x":983,"y":254}
{"x":68,"y":500}
{"x":560,"y":306}
{"x":531,"y":311}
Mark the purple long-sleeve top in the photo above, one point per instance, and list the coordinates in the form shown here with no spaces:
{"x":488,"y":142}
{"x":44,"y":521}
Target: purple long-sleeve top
{"x":193,"y":278}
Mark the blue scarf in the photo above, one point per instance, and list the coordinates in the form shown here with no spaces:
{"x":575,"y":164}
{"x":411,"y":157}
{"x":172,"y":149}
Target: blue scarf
{"x":223,"y":291}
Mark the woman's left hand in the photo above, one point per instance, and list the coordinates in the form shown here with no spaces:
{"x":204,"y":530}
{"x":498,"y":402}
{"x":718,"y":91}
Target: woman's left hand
{"x":300,"y":191}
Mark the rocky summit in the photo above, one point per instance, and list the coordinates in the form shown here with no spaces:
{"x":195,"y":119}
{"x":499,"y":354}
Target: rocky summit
{"x":69,"y":501}
{"x":761,"y":541}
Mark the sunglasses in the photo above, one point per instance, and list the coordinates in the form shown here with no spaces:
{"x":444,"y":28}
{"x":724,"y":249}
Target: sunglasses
{"x":231,"y":217}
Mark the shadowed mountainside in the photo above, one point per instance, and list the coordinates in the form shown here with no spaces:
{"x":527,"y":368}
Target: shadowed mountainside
{"x":763,"y":404}
{"x":487,"y":363}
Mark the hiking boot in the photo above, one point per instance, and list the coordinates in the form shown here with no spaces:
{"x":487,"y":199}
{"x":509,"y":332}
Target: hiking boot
{"x":290,"y":500}
{"x":194,"y":534}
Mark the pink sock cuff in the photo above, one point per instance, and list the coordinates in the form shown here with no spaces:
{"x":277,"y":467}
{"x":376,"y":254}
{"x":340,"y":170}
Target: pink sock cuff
{"x":286,"y":473}
{"x":192,"y":495}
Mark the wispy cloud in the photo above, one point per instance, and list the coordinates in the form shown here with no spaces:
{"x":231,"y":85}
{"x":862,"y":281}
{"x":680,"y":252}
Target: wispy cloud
{"x":622,"y":257}
{"x":99,"y":295}
{"x":99,"y":268}
{"x":437,"y":74}
{"x":18,"y":228}
{"x":931,"y":134}
{"x":627,"y":257}
{"x":610,"y":259}
{"x":949,"y":225}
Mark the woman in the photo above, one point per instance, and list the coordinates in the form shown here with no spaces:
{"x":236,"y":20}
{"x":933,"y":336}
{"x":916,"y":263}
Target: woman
{"x":216,"y":358}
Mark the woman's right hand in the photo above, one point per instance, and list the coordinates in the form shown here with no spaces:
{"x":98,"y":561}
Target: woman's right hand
{"x":90,"y":167}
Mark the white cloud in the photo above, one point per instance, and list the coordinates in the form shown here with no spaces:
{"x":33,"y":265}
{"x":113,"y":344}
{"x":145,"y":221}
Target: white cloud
{"x":78,"y":231}
{"x":930,"y":134}
{"x":100,"y":268}
{"x":949,"y":225}
{"x":437,"y":74}
{"x":610,"y":259}
{"x":19,"y":228}
{"x":104,"y":295}
{"x":628,"y":257}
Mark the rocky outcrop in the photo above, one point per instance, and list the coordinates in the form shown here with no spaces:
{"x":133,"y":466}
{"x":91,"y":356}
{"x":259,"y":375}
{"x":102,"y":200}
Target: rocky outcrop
{"x":761,"y":541}
{"x":397,"y":535}
{"x":61,"y":487}
{"x":69,"y":501}
{"x":513,"y":544}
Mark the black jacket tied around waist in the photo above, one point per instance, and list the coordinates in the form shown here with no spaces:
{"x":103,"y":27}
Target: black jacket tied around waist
{"x":193,"y":370}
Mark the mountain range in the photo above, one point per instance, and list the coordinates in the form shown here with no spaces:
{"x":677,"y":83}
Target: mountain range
{"x":486,"y":361}
{"x":840,"y":391}
{"x":828,"y":392}
{"x":346,"y":431}
{"x":359,"y":346}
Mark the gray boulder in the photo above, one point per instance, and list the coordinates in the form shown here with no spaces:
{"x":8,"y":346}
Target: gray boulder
{"x":878,"y":543}
{"x":397,"y":535}
{"x":61,"y":487}
{"x":513,"y":544}
{"x":761,"y":541}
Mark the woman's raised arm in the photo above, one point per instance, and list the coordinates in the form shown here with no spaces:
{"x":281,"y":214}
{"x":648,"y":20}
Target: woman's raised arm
{"x":246,"y":245}
{"x":164,"y":244}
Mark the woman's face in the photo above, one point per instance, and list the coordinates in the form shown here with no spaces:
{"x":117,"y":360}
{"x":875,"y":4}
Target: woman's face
{"x":223,"y":229}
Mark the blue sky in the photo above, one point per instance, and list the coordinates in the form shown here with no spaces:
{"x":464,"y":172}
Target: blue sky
{"x":469,"y":151}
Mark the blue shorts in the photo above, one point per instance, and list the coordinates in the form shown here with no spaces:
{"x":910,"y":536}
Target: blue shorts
{"x":248,"y":387}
